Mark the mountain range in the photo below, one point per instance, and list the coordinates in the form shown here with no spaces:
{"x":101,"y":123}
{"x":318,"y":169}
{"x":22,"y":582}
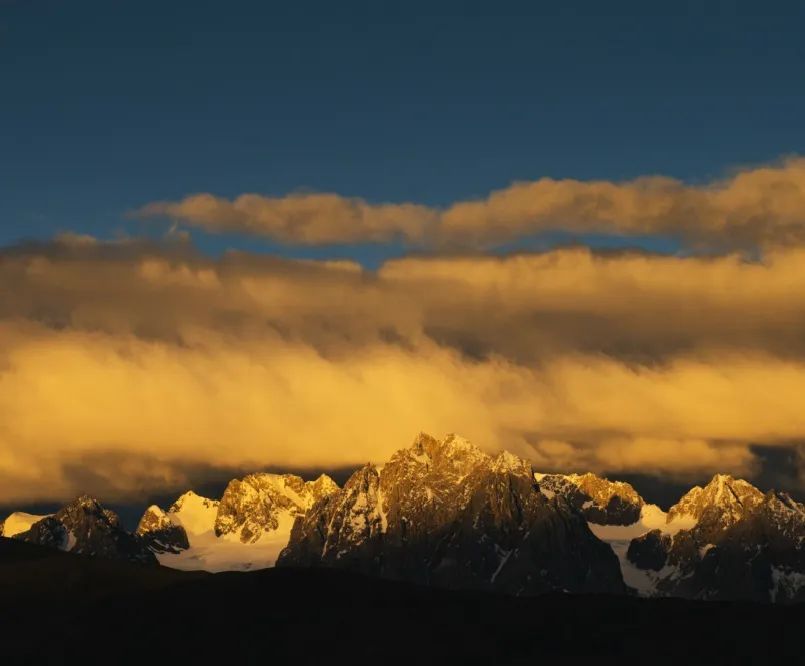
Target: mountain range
{"x":444,"y":513}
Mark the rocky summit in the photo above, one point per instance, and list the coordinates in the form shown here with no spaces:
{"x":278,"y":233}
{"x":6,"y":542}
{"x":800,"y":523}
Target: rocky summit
{"x":600,"y":500}
{"x":744,"y":545}
{"x":443,"y":512}
{"x":85,"y":527}
{"x":160,"y":534}
{"x":258,"y":503}
{"x":727,"y":499}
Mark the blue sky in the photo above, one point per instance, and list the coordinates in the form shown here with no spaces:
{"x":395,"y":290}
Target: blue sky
{"x":109,"y":105}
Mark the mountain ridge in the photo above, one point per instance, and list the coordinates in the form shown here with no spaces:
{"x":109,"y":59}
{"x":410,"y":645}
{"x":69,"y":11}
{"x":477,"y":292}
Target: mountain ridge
{"x":441,"y":502}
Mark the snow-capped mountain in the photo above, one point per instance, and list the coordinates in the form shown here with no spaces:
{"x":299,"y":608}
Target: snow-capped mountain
{"x":443,"y":512}
{"x":743,"y":544}
{"x":728,"y":499}
{"x":264,"y":503}
{"x":246,"y":529}
{"x":600,"y":500}
{"x":86,"y":528}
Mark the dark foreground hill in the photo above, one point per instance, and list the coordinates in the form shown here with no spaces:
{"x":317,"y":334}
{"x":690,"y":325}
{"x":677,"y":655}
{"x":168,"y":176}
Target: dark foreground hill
{"x":62,"y":608}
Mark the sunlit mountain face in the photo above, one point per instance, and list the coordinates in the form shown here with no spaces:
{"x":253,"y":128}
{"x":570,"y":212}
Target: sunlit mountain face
{"x":454,"y":305}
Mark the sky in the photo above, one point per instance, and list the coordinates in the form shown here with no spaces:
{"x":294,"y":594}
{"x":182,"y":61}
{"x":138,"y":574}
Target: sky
{"x":258,"y":235}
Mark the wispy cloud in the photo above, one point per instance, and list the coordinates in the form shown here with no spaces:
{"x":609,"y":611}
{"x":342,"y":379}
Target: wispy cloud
{"x":754,"y":206}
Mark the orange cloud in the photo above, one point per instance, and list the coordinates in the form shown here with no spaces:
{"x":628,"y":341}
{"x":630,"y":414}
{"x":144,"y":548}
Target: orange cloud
{"x":162,"y":360}
{"x":756,"y":206}
{"x":306,"y":219}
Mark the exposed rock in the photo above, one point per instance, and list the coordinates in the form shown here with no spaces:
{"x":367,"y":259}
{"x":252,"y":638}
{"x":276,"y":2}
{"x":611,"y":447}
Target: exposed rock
{"x":727,"y":499}
{"x":259,"y":503}
{"x":160,"y":533}
{"x":600,"y":500}
{"x":47,"y":532}
{"x":745,"y":545}
{"x":85,"y":527}
{"x":445,"y":513}
{"x":649,"y":551}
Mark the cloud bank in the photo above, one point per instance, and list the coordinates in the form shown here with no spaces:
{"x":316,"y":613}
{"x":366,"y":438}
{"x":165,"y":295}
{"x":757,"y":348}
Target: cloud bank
{"x":163,"y":360}
{"x":755,"y":206}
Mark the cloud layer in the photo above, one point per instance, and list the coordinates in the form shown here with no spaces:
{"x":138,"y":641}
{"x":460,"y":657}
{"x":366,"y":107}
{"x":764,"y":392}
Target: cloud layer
{"x":163,"y":360}
{"x":757,"y":206}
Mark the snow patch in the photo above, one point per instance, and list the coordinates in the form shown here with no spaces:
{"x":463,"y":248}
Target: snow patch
{"x":70,"y":542}
{"x":19,"y":522}
{"x":652,"y":517}
{"x":619,"y":537}
{"x":504,"y":557}
{"x":208,"y":552}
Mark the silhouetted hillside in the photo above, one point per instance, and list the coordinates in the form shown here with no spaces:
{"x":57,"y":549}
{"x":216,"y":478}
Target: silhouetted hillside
{"x":61,"y":608}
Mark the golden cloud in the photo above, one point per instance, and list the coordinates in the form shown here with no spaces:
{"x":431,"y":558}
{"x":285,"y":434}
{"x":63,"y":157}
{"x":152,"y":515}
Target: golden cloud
{"x":163,"y":360}
{"x":755,"y":206}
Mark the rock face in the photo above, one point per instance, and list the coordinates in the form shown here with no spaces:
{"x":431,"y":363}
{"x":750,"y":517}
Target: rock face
{"x":649,"y":551}
{"x":744,"y":545}
{"x":261,"y":503}
{"x":726,"y":498}
{"x":85,"y":527}
{"x":160,"y":534}
{"x":445,"y":513}
{"x":600,"y":500}
{"x":47,"y":532}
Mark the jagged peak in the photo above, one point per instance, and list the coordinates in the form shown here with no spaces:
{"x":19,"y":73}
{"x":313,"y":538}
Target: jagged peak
{"x":458,"y":442}
{"x":599,"y":486}
{"x":725,"y":483}
{"x":192,"y":498}
{"x":189,"y":494}
{"x":86,"y":502}
{"x":424,"y":439}
{"x":155,"y":510}
{"x":508,"y":462}
{"x":723,"y":493}
{"x":782,"y":501}
{"x":153,"y":518}
{"x":366,"y":471}
{"x":86,"y":505}
{"x":291,"y":485}
{"x":457,"y":452}
{"x":323,"y":485}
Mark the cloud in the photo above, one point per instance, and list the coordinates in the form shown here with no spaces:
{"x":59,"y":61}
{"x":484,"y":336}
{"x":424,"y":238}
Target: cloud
{"x":167,"y":361}
{"x":753,"y":207}
{"x":305,"y":219}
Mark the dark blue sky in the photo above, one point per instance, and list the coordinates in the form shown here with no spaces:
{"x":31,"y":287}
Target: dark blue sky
{"x":107,"y":105}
